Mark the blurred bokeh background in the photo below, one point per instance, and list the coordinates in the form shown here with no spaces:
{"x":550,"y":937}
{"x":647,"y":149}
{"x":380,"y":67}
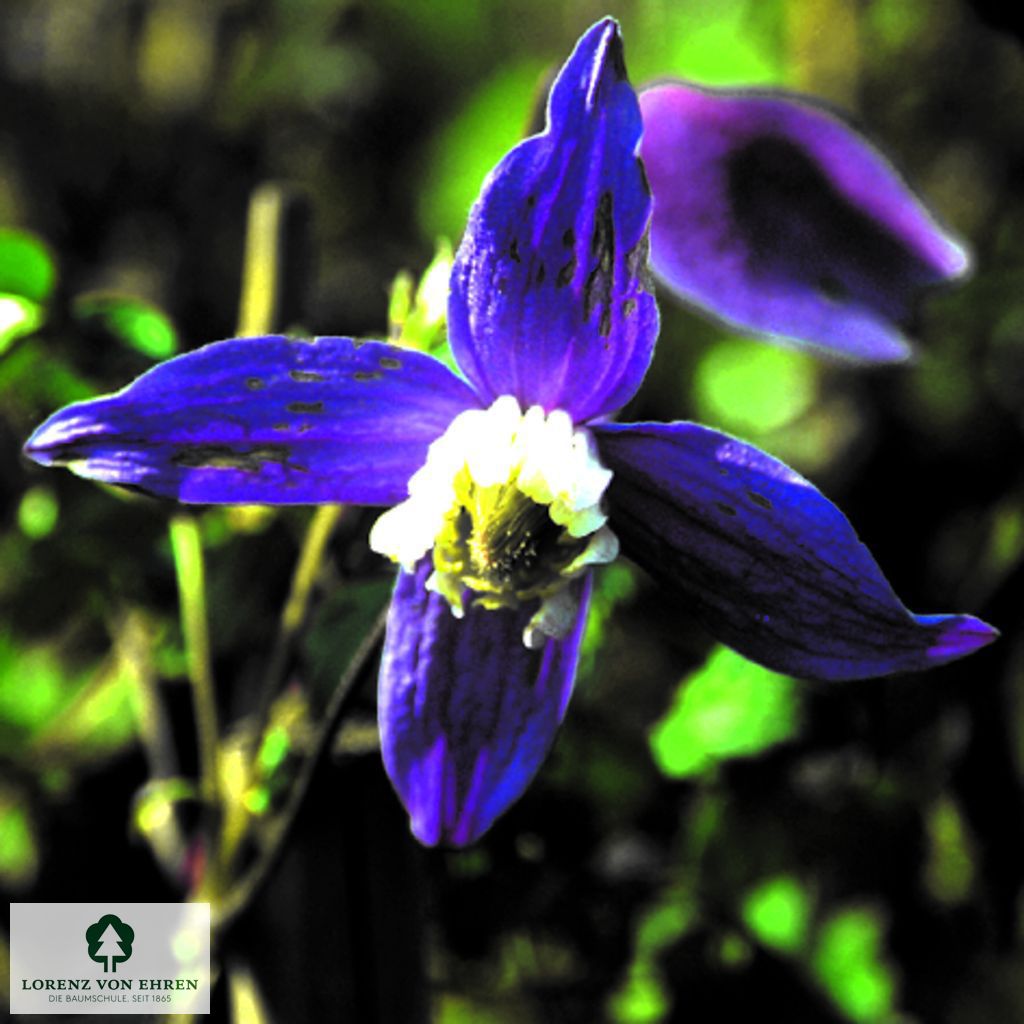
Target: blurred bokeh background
{"x":708,"y":841}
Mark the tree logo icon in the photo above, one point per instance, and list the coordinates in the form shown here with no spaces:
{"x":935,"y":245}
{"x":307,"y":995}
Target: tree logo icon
{"x":110,"y":942}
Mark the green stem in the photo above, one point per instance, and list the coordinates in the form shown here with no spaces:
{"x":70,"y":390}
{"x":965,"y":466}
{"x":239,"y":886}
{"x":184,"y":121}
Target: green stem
{"x":318,"y":534}
{"x":188,"y":560}
{"x":260,"y":302}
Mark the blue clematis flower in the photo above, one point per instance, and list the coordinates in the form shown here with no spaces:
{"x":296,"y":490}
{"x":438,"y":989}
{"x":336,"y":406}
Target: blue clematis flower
{"x":773,"y":212}
{"x":509,"y":482}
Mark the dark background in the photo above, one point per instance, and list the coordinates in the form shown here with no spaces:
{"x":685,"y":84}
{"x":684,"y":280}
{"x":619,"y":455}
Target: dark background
{"x":792,"y":850}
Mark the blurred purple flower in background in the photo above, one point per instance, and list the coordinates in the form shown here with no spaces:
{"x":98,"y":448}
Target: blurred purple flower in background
{"x":510,"y":482}
{"x":779,"y":217}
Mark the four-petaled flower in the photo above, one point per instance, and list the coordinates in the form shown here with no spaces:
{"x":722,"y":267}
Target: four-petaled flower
{"x":510,"y":481}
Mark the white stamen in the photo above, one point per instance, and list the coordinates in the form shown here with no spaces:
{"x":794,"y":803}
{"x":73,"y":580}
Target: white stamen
{"x":546,"y":460}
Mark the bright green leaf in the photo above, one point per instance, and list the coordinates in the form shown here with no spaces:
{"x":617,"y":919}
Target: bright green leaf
{"x":26,"y":266}
{"x":728,"y":708}
{"x":27,"y":708}
{"x":729,"y":42}
{"x":745,"y":386}
{"x":777,"y":912}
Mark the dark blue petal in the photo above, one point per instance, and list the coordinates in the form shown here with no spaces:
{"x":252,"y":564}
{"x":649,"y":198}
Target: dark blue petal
{"x":467,"y":713}
{"x":778,"y":217}
{"x":549,"y":300}
{"x":771,"y":566}
{"x":267,"y":420}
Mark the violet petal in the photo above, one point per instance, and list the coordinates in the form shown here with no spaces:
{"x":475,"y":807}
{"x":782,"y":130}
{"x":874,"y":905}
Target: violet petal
{"x":778,"y":217}
{"x":549,"y":299}
{"x":771,"y":566}
{"x":266,"y":420}
{"x":467,"y":713}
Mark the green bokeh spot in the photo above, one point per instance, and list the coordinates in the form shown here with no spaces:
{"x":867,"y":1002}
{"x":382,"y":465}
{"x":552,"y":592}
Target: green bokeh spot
{"x":949,"y":870}
{"x":25,"y":708}
{"x":746,"y":386}
{"x":643,"y":997}
{"x":641,"y":1000}
{"x":38,"y":512}
{"x":26,"y":267}
{"x":726,"y":43}
{"x":135,"y":323}
{"x":456,"y":1009}
{"x":777,"y":912}
{"x":728,"y":708}
{"x":850,"y":962}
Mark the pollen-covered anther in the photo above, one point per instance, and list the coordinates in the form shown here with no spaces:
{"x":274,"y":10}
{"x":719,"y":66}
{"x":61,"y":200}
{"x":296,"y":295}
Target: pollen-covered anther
{"x":510,"y":504}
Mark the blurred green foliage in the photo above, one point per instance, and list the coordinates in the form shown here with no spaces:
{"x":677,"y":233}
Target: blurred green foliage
{"x":708,"y":839}
{"x":728,"y":708}
{"x":134,"y":323}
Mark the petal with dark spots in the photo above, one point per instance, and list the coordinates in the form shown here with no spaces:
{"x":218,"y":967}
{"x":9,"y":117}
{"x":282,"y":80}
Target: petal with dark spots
{"x":777,"y":216}
{"x":264,"y":420}
{"x":769,"y":564}
{"x":467,"y":713}
{"x":549,"y":294}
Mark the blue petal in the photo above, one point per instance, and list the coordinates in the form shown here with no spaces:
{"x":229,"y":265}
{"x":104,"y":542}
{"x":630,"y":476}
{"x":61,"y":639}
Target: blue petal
{"x":770,"y":565}
{"x":778,"y":217}
{"x":549,"y":298}
{"x":467,"y":713}
{"x":267,"y":420}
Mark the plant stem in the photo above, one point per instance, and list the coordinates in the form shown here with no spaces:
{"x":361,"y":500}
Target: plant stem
{"x":318,"y":534}
{"x":259,"y":305}
{"x":188,"y":559}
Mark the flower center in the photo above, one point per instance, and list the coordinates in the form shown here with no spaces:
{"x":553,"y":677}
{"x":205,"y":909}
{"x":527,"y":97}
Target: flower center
{"x":510,"y":504}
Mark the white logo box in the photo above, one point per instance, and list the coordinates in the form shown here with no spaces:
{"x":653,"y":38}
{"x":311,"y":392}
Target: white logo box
{"x":110,"y":958}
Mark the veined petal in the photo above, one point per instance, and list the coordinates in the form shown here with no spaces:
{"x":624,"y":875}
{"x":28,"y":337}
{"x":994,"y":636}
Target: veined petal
{"x":772,"y":567}
{"x":775,"y":215}
{"x":265,"y":420}
{"x":467,"y":713}
{"x":549,"y":298}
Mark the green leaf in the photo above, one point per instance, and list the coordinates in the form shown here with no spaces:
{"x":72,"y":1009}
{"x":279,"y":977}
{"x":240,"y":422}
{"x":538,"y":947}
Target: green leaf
{"x":417,"y":314}
{"x":24,"y":709}
{"x":135,"y":323}
{"x":26,"y":268}
{"x":728,"y":708}
{"x":778,"y":912}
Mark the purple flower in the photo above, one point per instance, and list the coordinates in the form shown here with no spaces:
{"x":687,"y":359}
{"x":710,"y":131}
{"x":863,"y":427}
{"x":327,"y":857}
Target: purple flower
{"x":509,"y":482}
{"x":778,"y":216}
